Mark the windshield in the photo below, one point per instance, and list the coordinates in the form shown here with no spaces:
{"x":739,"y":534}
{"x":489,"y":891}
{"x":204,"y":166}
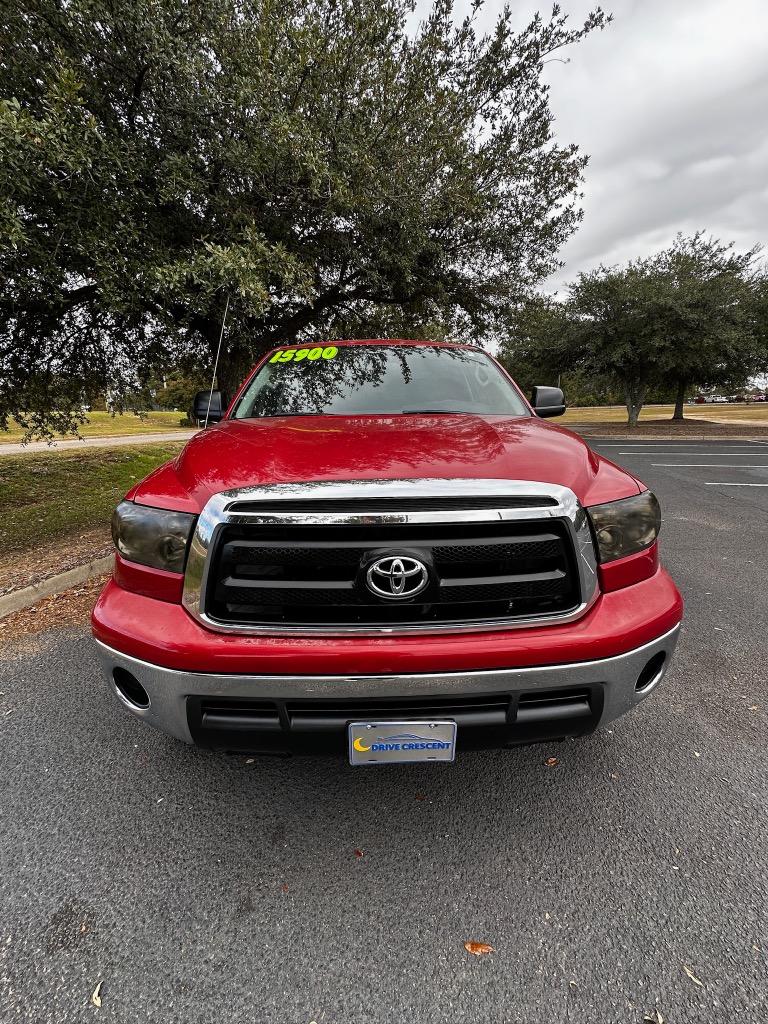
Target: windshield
{"x":348,"y":380}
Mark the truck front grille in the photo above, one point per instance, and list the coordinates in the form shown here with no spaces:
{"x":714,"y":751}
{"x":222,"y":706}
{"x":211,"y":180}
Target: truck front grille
{"x":315,"y":575}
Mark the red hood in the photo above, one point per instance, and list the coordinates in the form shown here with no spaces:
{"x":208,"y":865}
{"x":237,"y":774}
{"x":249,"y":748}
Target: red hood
{"x":238,"y":453}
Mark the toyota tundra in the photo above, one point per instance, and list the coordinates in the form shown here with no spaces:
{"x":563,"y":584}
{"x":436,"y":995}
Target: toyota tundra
{"x":382,"y":550}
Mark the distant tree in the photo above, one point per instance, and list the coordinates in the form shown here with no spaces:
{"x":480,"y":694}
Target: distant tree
{"x":177,"y":390}
{"x":316,"y":162}
{"x":614,"y":335}
{"x":759,"y":318}
{"x":693,"y":315}
{"x":704,"y":309}
{"x":602,"y":332}
{"x":534,"y":350}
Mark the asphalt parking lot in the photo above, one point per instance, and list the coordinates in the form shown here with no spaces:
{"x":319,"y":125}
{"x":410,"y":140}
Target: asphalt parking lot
{"x":627,"y":882}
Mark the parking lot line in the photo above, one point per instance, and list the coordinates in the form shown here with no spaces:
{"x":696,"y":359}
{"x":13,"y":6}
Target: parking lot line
{"x":709,"y":465}
{"x":645,"y":444}
{"x":729,"y":483}
{"x":678,"y":444}
{"x":733,"y":455}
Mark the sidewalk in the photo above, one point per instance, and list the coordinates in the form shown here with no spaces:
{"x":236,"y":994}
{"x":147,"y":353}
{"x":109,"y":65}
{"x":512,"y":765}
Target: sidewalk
{"x":16,"y":448}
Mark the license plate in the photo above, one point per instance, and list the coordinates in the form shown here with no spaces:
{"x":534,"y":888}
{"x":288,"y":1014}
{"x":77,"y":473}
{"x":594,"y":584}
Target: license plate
{"x":401,"y":742}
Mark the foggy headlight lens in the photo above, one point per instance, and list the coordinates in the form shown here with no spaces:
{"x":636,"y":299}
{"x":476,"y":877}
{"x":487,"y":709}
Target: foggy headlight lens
{"x":152,"y":536}
{"x":627,"y":526}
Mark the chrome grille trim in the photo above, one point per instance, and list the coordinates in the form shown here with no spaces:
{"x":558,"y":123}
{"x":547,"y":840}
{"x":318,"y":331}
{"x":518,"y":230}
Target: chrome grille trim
{"x":222,"y":509}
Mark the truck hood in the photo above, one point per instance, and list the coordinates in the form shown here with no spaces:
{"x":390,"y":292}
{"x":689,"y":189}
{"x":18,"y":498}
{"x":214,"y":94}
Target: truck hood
{"x":239,"y":453}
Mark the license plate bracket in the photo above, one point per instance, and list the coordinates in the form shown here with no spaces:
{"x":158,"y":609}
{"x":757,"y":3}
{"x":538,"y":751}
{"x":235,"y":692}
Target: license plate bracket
{"x":402,"y":742}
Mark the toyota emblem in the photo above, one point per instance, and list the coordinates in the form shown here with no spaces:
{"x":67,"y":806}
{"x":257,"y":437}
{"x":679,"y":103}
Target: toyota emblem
{"x":397,"y":577}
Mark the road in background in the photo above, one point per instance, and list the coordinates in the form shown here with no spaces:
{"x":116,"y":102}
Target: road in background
{"x":199,"y":887}
{"x":115,"y":441}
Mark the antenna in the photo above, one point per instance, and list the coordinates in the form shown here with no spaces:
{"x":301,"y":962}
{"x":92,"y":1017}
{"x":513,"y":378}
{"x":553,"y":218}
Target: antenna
{"x":216,"y":362}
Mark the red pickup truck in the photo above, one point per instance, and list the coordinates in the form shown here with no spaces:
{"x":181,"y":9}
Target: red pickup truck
{"x":382,"y":550}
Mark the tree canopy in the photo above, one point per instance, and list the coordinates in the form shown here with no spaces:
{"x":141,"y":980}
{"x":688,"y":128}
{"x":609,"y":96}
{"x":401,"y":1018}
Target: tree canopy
{"x":689,"y":315}
{"x":325,"y":165}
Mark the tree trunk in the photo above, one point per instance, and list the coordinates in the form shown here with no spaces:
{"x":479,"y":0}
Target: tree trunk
{"x":634,"y":397}
{"x":682,"y":385}
{"x":234,"y":362}
{"x":232,"y":370}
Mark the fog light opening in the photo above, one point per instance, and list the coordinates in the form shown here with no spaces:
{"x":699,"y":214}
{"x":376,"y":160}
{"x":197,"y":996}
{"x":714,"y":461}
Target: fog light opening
{"x":652,"y":673}
{"x":130,"y":689}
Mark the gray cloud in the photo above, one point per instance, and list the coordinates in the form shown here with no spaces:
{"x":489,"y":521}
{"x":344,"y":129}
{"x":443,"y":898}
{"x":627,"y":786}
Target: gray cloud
{"x":670,"y":104}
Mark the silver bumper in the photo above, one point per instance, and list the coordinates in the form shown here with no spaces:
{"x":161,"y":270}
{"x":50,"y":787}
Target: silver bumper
{"x":168,"y":689}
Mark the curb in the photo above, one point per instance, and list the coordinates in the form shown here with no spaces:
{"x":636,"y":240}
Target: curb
{"x":639,"y":438}
{"x":27,"y":596}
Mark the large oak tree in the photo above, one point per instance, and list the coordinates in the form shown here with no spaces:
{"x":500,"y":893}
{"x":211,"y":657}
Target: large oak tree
{"x":328,"y":166}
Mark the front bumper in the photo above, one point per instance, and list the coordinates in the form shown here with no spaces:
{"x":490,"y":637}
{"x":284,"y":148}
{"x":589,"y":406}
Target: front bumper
{"x":289,"y":714}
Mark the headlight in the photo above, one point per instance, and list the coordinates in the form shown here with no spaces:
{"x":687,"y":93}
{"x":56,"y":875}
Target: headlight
{"x":152,"y":536}
{"x":626,"y":526}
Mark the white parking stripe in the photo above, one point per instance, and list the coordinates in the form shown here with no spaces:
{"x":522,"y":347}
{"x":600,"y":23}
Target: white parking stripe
{"x":646,"y":444}
{"x":708,"y":465}
{"x":728,"y":483}
{"x":733,"y":455}
{"x":679,"y":444}
{"x":627,"y":446}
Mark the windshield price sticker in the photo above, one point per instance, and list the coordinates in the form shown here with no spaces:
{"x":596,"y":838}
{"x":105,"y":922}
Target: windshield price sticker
{"x":295,"y":355}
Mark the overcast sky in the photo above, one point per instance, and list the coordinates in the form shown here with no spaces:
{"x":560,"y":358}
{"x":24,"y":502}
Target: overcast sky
{"x":671,"y":104}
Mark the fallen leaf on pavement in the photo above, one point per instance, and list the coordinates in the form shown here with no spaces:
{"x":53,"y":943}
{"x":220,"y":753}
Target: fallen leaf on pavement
{"x":693,"y":977}
{"x":96,"y":996}
{"x":420,"y":796}
{"x":284,"y":887}
{"x":551,"y":762}
{"x":478,"y":948}
{"x":358,"y":853}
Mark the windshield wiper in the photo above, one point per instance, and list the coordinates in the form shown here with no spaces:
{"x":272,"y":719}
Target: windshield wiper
{"x":280,"y":415}
{"x":432,"y":412}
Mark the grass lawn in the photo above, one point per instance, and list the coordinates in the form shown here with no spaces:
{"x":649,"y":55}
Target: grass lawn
{"x":754,"y":412}
{"x":48,"y":496}
{"x":104,"y":424}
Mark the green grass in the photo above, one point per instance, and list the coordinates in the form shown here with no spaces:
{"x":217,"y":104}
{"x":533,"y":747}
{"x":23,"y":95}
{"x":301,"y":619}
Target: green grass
{"x":104,"y":424}
{"x":44,"y":496}
{"x":755,"y":413}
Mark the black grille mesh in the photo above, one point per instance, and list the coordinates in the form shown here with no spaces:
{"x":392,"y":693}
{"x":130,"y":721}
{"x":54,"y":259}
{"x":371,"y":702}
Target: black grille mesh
{"x":298,"y":575}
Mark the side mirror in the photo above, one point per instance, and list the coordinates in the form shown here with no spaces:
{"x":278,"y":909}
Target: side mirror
{"x":547,"y":401}
{"x":218,"y":406}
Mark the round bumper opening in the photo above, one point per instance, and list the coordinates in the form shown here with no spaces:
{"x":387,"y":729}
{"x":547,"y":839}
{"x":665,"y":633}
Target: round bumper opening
{"x":130,"y":689}
{"x":652,"y":673}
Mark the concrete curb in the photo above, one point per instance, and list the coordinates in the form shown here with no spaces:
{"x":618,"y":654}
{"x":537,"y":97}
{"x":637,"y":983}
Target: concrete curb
{"x":639,"y":438}
{"x":27,"y":596}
